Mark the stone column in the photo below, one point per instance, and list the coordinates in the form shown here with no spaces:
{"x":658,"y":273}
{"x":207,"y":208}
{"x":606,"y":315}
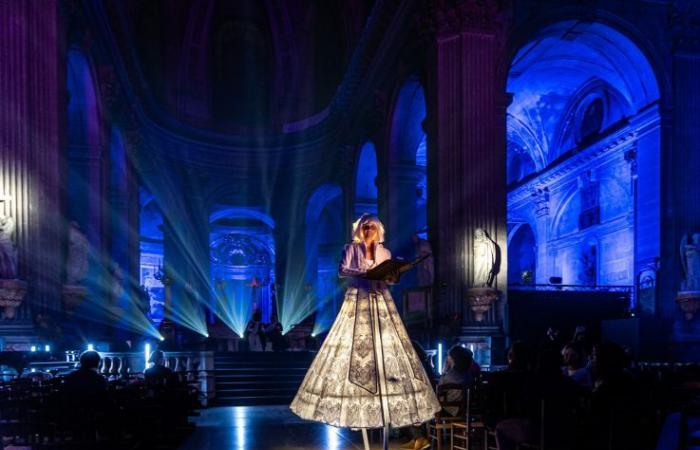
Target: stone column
{"x":470,"y":154}
{"x":680,"y":169}
{"x":30,"y":161}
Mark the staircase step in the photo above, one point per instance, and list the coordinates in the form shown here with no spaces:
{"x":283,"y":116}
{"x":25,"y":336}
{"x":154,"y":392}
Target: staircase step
{"x":259,"y":378}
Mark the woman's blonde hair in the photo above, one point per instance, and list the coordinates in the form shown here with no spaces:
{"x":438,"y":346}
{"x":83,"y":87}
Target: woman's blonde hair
{"x":357,"y":228}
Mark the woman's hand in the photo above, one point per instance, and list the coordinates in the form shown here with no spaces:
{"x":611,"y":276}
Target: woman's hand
{"x":392,"y":278}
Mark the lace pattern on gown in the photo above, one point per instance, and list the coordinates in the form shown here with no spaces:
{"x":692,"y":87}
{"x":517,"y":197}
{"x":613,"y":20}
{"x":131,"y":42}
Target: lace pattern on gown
{"x":366,"y":360}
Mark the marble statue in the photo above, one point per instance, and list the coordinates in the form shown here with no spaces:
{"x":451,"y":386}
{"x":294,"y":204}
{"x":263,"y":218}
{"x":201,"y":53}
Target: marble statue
{"x":77,"y":260}
{"x":425,"y":271}
{"x":690,"y":258}
{"x":8,"y":251}
{"x":484,"y":259}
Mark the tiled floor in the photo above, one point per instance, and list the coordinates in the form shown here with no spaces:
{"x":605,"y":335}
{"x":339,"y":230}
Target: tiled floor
{"x":271,"y":428}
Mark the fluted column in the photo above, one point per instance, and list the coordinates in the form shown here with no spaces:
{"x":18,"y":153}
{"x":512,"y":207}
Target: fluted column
{"x":681,"y":166}
{"x":470,"y":130}
{"x":30,"y":163}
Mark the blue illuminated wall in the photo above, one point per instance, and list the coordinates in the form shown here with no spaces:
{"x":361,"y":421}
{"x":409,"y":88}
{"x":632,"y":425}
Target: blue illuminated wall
{"x":583,"y":158}
{"x":365,"y":181}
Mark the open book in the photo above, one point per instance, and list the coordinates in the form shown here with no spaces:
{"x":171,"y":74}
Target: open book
{"x":390,"y":266}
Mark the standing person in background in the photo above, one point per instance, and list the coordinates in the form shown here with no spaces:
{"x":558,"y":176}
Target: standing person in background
{"x":253,"y":331}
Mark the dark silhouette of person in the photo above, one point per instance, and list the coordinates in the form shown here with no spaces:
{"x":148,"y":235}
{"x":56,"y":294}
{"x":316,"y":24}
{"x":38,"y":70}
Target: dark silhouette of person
{"x":158,"y":375}
{"x":85,"y":382}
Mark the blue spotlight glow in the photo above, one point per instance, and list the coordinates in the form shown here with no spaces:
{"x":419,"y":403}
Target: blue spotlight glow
{"x":47,"y":348}
{"x":90,"y":347}
{"x":439,"y":355}
{"x":234,"y":304}
{"x":240,"y":417}
{"x":146,"y":354}
{"x":32,"y":348}
{"x":332,"y":438}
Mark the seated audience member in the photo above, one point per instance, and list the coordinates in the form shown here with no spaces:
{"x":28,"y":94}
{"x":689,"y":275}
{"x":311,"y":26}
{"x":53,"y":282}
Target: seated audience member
{"x":159,"y":375}
{"x":518,"y":357}
{"x":617,"y":404}
{"x":456,"y":371}
{"x":85,"y":382}
{"x":558,"y":393}
{"x":506,"y":389}
{"x":576,"y":365}
{"x":474,"y":368}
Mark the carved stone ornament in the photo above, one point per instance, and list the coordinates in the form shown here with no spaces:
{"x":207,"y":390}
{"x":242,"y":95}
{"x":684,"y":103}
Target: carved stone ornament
{"x":469,"y":15}
{"x":689,"y":302}
{"x":685,"y":27}
{"x":12,"y":294}
{"x":72,"y":296}
{"x":481,"y":300}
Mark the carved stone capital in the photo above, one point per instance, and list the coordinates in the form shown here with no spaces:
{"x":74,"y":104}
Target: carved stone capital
{"x":469,"y":15}
{"x":481,"y":300}
{"x":685,"y":27}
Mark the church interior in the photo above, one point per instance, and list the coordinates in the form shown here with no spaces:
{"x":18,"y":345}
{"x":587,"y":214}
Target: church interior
{"x":180,"y":181}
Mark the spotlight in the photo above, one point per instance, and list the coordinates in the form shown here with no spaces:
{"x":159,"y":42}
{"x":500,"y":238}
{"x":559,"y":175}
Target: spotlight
{"x":440,"y":358}
{"x":242,"y":336}
{"x":161,"y":338}
{"x":47,"y":348}
{"x":90,"y":347}
{"x":313,"y":335}
{"x":32,"y":348}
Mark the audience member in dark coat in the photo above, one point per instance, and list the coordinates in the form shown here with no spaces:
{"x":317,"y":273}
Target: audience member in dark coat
{"x":85,"y":382}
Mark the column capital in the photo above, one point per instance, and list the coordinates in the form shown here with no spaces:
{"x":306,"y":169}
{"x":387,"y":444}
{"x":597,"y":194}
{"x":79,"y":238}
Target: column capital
{"x":685,"y":28}
{"x":469,"y":16}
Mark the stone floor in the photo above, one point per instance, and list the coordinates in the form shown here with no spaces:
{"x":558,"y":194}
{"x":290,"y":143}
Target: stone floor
{"x":271,"y":428}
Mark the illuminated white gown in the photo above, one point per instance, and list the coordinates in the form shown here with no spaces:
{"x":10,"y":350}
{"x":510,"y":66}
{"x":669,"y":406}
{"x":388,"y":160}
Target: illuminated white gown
{"x":366,"y":373}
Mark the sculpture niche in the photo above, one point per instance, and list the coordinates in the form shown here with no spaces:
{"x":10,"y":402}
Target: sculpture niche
{"x":12,"y":290}
{"x":688,"y":298}
{"x":76,"y":268}
{"x":481,"y":295}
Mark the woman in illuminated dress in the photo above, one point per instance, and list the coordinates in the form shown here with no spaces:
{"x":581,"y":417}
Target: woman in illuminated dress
{"x":366,"y":374}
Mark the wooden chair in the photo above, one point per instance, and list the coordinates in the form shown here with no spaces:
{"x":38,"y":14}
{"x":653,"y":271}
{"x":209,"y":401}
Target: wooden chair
{"x":462,"y":434}
{"x":443,"y":420}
